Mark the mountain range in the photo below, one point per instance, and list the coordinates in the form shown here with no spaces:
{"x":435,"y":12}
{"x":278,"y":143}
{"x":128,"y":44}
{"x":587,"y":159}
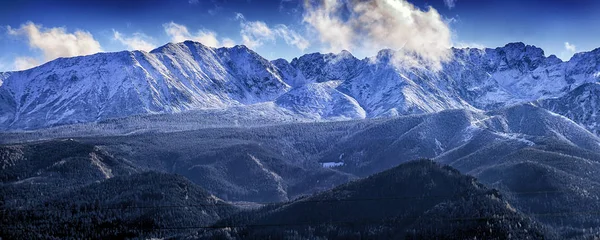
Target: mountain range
{"x":188,"y":141}
{"x":190,"y":76}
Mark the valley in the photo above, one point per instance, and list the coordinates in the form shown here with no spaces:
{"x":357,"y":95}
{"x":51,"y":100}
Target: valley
{"x":503,"y":149}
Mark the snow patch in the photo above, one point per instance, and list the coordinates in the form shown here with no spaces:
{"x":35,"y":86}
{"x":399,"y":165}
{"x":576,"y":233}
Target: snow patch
{"x":515,"y":136}
{"x":276,"y":176}
{"x":332,"y":164}
{"x":101,"y":166}
{"x":61,"y":162}
{"x":439,"y":145}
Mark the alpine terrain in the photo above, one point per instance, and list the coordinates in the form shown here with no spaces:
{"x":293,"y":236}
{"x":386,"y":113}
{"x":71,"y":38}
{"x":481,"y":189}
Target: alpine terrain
{"x":188,"y":141}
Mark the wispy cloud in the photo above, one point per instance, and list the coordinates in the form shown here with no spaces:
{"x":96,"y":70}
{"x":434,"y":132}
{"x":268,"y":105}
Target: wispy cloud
{"x":291,"y":37}
{"x":53,"y":43}
{"x":368,"y":26}
{"x":256,"y":33}
{"x":180,"y":33}
{"x":22,"y":63}
{"x":450,"y":3}
{"x":290,"y":6}
{"x":138,"y":41}
{"x":570,"y":47}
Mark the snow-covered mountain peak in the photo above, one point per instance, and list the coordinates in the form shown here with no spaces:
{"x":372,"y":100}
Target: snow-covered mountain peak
{"x":515,"y":48}
{"x":240,"y":51}
{"x":189,"y":75}
{"x":583,"y":55}
{"x":516,"y":56}
{"x":553,"y":60}
{"x":589,"y":61}
{"x":521,"y":52}
{"x":169,"y":47}
{"x":317,"y":67}
{"x":331,"y":58}
{"x":384,"y":56}
{"x":407,"y":60}
{"x":518,"y":48}
{"x":345,"y":54}
{"x":172,"y":78}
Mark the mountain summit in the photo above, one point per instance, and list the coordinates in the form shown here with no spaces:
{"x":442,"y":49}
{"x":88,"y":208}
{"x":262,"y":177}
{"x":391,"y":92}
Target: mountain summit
{"x":186,"y":76}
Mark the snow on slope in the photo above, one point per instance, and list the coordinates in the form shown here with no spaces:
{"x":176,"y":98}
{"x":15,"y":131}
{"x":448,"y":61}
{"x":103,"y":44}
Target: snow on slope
{"x":292,"y":76}
{"x":189,"y":76}
{"x":3,"y":75}
{"x":317,"y":67}
{"x":384,"y":89}
{"x":172,"y":78}
{"x":581,"y":105}
{"x":322,"y":101}
{"x":484,"y":79}
{"x":531,"y":120}
{"x":516,"y":73}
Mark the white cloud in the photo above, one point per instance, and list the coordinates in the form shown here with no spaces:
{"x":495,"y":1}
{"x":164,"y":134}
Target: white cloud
{"x":177,"y":32}
{"x":256,"y":33}
{"x":368,"y":26}
{"x":570,"y":47}
{"x":327,"y":21}
{"x":450,"y":3}
{"x":209,"y":38}
{"x":138,"y":41}
{"x":469,"y":45}
{"x":228,"y":42}
{"x":4,"y":67}
{"x":291,"y":37}
{"x":57,"y":42}
{"x":22,"y":63}
{"x":180,"y":33}
{"x":53,"y":43}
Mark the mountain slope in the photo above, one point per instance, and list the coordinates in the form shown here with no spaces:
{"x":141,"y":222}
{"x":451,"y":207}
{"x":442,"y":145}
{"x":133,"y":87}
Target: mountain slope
{"x":557,"y":158}
{"x":482,"y":78}
{"x":383,"y":88}
{"x":401,"y":202}
{"x":189,"y":76}
{"x":172,"y":78}
{"x":30,"y":172}
{"x":131,"y":206}
{"x":3,"y":75}
{"x":321,"y":101}
{"x":581,"y":105}
{"x":263,"y":164}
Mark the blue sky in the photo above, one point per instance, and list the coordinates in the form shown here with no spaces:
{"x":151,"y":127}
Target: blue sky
{"x":35,"y":31}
